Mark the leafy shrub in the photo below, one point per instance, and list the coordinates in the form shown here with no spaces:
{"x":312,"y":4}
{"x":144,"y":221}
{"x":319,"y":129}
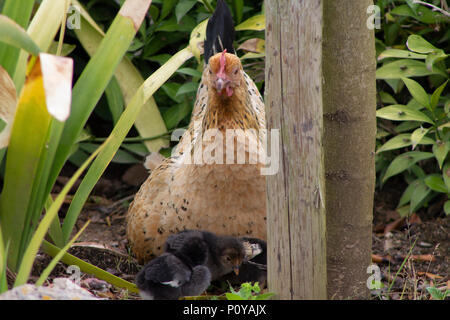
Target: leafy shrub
{"x":421,"y":107}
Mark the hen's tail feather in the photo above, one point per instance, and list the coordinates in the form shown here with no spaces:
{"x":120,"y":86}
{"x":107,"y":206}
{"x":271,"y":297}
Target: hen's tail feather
{"x":219,"y":31}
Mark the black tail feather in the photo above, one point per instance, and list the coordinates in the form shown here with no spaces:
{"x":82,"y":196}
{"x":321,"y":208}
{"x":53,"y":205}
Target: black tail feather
{"x":220,"y":31}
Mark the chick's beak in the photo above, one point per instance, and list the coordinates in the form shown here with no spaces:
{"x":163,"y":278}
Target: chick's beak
{"x":236,"y":270}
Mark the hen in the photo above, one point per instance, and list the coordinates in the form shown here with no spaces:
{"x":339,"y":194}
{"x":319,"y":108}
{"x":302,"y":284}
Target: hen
{"x":212,"y":181}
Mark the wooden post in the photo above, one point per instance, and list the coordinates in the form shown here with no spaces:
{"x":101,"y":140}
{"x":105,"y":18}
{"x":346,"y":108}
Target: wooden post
{"x":295,"y":195}
{"x":349,"y":102}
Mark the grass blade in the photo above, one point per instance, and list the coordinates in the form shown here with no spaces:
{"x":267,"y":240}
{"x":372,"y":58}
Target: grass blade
{"x":96,"y":76}
{"x":69,"y":259}
{"x":118,"y":134}
{"x":38,"y":237}
{"x":44,"y":275}
{"x":13,"y":34}
{"x":149,"y":123}
{"x":20,"y":12}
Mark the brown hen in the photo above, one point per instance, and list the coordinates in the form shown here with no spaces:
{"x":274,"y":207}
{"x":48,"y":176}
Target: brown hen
{"x":192,"y":189}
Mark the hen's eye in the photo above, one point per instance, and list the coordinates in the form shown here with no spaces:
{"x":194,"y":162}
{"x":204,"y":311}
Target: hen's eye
{"x":228,"y":259}
{"x":236,"y":71}
{"x":210,"y":72}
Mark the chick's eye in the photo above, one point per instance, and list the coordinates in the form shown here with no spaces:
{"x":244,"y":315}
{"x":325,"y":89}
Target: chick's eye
{"x":210,"y":72}
{"x":228,"y":259}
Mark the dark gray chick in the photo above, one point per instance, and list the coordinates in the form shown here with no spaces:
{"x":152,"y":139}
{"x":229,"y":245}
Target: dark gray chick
{"x":225,"y":254}
{"x":255,"y":269}
{"x":176,"y":274}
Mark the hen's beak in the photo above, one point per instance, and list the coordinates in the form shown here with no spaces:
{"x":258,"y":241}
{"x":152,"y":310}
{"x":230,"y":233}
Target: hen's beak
{"x":221,"y":84}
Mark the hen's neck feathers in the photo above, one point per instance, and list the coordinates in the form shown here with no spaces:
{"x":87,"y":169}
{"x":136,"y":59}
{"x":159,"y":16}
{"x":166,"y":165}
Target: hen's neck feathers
{"x":235,"y":112}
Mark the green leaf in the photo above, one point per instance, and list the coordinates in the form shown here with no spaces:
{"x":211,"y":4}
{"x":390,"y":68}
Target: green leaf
{"x":13,"y":34}
{"x":115,"y":99}
{"x":447,"y":207}
{"x":446,"y":174}
{"x":440,"y":150}
{"x":183,"y":7}
{"x":176,"y":113}
{"x":190,"y":72}
{"x":238,"y":10}
{"x":406,"y":68}
{"x":89,"y":268}
{"x":404,"y":161}
{"x":233,"y":296}
{"x":418,"y":44}
{"x":417,"y":135}
{"x":434,"y":57}
{"x":436,"y":293}
{"x":20,"y":12}
{"x":418,"y":195}
{"x":387,"y":98}
{"x":188,"y":87}
{"x":167,"y":8}
{"x":406,"y":196}
{"x":401,"y":141}
{"x":417,"y":92}
{"x":257,"y":23}
{"x":437,"y":94}
{"x":435,"y":182}
{"x":401,"y":113}
{"x":397,"y":53}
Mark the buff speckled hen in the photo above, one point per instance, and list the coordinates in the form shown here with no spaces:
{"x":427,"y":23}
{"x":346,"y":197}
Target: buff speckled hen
{"x":184,"y":192}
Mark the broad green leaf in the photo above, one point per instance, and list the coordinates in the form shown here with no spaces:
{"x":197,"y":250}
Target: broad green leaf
{"x":255,"y":45}
{"x":197,"y":38}
{"x":404,"y":161}
{"x":188,"y":87}
{"x":418,"y":195}
{"x":401,"y":141}
{"x":447,"y":207}
{"x":401,"y":113}
{"x":183,"y":7}
{"x":190,"y":72}
{"x":233,"y":296}
{"x":397,"y":53}
{"x":434,"y":57}
{"x":435,"y":182}
{"x":257,"y":23}
{"x":440,"y":150}
{"x":8,"y":103}
{"x":437,"y":94}
{"x":65,"y":51}
{"x":176,"y":113}
{"x":418,"y":44}
{"x":423,"y":14}
{"x":406,"y":68}
{"x":417,"y":92}
{"x":167,"y":8}
{"x":13,"y":34}
{"x":252,"y":55}
{"x":406,"y":196}
{"x":387,"y":98}
{"x":417,"y":135}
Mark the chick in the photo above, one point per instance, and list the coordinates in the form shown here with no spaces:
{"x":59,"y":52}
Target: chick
{"x":255,"y":269}
{"x":176,"y":274}
{"x":225,"y":254}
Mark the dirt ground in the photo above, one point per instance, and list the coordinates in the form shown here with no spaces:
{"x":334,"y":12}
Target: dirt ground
{"x":412,"y":253}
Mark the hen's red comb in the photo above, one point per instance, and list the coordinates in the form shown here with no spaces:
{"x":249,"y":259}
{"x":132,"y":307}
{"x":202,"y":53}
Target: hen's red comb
{"x":222,"y":63}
